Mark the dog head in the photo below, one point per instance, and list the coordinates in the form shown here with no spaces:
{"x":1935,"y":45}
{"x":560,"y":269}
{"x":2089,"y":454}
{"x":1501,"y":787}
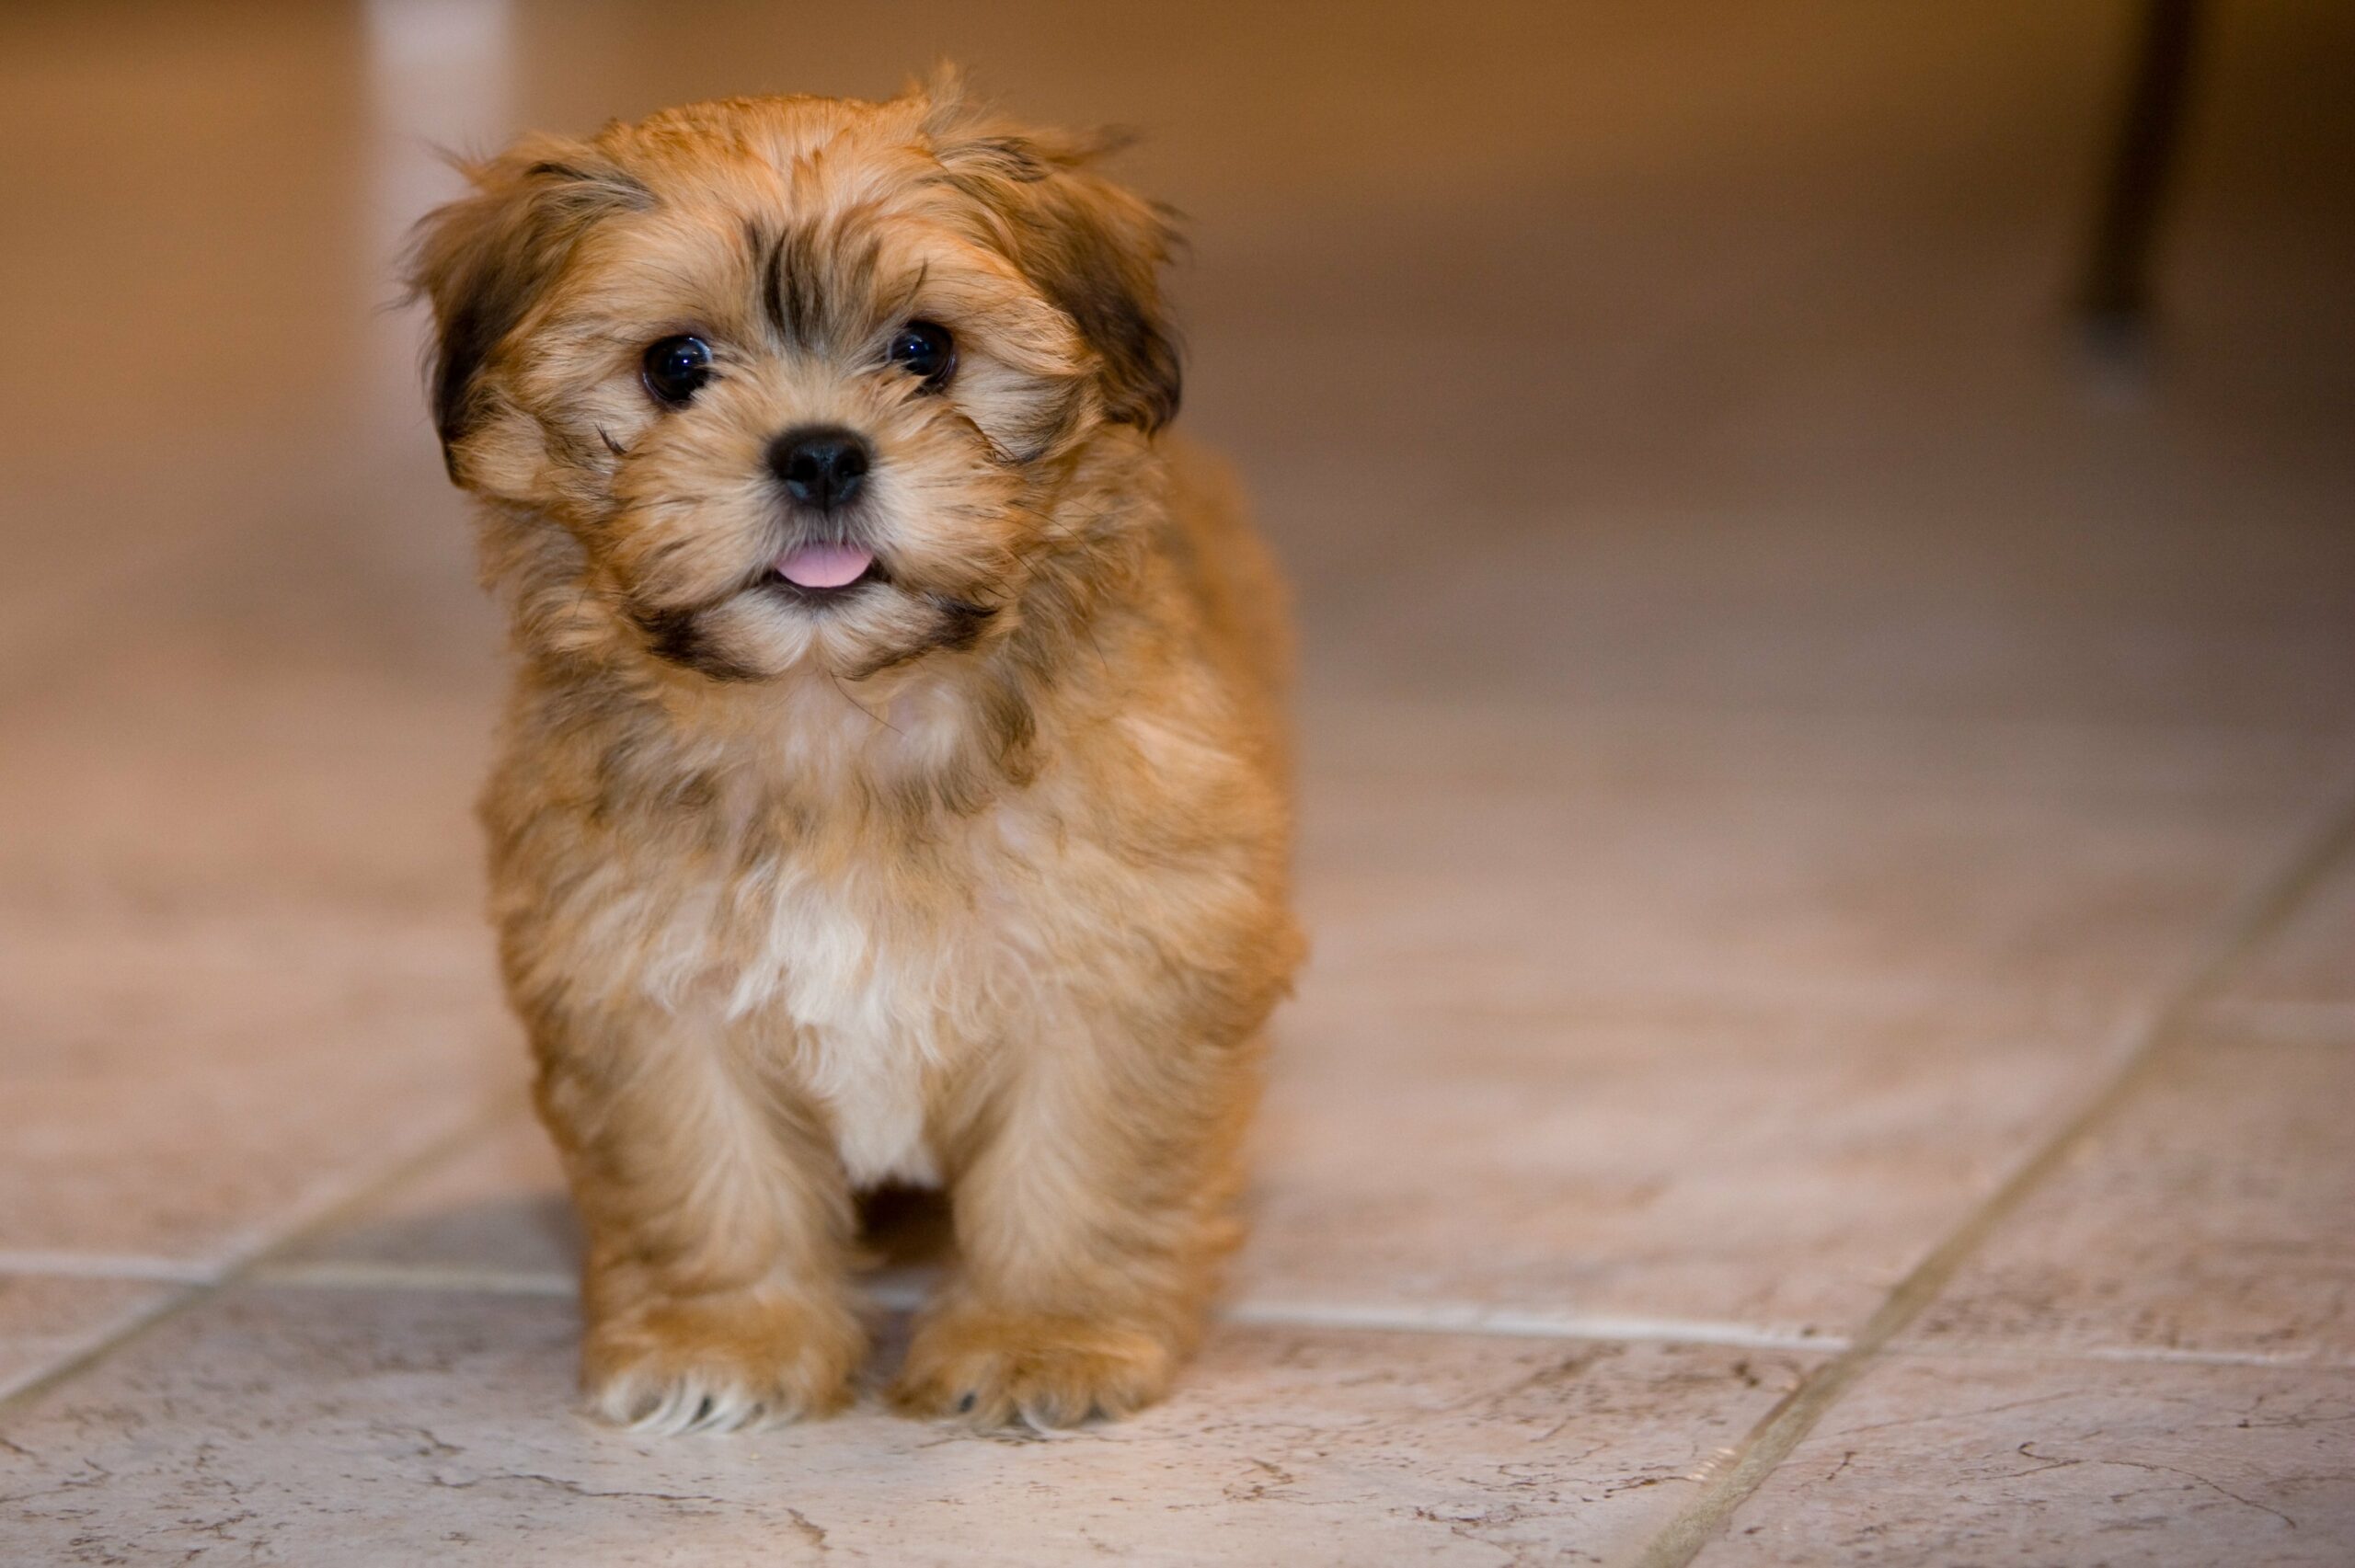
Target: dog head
{"x":789,"y":382}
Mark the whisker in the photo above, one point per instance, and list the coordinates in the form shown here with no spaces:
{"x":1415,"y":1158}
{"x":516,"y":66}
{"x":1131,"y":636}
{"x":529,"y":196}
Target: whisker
{"x":862,"y":707}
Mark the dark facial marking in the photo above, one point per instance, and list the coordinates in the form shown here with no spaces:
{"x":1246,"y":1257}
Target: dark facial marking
{"x":787,"y":288}
{"x":679,"y":636}
{"x":961,"y":621}
{"x":958,"y":625}
{"x":817,"y":286}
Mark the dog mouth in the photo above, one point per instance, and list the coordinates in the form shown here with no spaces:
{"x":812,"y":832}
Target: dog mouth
{"x":823,"y":573}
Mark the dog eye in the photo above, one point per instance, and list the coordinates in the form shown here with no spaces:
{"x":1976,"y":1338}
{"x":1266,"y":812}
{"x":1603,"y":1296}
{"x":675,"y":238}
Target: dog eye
{"x":675,"y":367}
{"x":925,"y":350}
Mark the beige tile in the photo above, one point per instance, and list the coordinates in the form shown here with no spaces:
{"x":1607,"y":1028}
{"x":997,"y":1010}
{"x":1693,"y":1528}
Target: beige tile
{"x":46,"y":1320}
{"x":189,"y":1096}
{"x":2305,"y":975}
{"x":2209,"y":1213}
{"x":2028,"y":876}
{"x":327,"y":1428}
{"x":1813,"y":606}
{"x":295,"y":722}
{"x":495,"y":1211}
{"x":242,"y":963}
{"x":1712,"y":1017}
{"x":1971,"y":1463}
{"x":1740,"y":1170}
{"x":205,"y":797}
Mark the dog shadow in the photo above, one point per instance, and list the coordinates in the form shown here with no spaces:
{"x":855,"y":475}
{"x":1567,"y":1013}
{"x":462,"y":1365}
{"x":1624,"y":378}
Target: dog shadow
{"x":535,"y":1238}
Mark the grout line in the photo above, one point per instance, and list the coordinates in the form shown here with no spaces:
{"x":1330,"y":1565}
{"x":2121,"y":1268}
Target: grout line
{"x":362,"y":1274}
{"x":126,"y":1326}
{"x":109,"y":1266}
{"x":2258,"y":914}
{"x":2156,"y":1354}
{"x":2032,"y":1351}
{"x":1465,"y":1318}
{"x":1470,"y":1318}
{"x":323,"y":1215}
{"x":903,"y":1295}
{"x":2289,"y":1023}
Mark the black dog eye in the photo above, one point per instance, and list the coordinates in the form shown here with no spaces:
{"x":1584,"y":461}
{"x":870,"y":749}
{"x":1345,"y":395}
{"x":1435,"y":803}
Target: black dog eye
{"x":925,"y":350}
{"x":675,"y":367}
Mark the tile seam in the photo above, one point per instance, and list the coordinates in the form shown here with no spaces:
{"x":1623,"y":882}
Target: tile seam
{"x":322,"y":1215}
{"x":1465,"y":1319}
{"x":2259,"y":914}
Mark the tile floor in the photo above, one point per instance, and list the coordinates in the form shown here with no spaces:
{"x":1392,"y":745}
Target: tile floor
{"x":1829,"y":827}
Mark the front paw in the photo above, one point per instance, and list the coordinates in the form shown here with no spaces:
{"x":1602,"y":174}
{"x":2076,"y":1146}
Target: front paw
{"x":987,"y":1366}
{"x":721,"y":1362}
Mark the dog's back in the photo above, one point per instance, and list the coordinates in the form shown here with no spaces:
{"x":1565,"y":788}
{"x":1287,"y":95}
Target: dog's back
{"x":1237,"y":589}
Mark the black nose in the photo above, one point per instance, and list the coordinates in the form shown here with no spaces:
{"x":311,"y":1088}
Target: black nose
{"x":822,"y":465}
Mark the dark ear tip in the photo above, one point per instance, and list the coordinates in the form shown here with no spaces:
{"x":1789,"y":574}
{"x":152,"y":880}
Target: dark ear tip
{"x":1108,"y":142}
{"x":482,"y":260}
{"x":1176,"y":243}
{"x":1154,"y":406}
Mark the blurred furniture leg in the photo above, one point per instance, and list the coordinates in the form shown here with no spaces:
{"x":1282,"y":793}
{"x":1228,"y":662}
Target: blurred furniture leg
{"x":2114,"y":294}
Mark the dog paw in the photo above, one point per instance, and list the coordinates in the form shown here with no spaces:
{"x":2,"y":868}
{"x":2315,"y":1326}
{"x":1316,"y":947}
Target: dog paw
{"x":720,"y":1363}
{"x":987,"y":1367}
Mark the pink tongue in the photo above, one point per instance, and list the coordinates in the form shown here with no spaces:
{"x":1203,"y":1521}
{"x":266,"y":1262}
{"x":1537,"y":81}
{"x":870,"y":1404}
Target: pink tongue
{"x":824,"y":565}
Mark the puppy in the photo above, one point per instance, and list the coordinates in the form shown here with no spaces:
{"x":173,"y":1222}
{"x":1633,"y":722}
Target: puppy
{"x":893,"y":786}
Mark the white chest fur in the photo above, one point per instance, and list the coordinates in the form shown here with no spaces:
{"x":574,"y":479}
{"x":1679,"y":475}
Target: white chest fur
{"x":865,"y":964}
{"x":862,"y":995}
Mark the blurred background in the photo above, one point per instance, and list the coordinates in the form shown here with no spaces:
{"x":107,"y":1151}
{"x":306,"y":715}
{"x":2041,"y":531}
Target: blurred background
{"x":1788,"y":703}
{"x":1586,"y":359}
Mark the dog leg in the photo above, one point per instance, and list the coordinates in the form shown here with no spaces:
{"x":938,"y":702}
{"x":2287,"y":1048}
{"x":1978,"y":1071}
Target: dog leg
{"x":1091,"y":1213}
{"x":719,"y":1222}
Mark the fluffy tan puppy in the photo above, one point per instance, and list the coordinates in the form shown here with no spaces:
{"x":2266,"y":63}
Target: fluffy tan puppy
{"x":893,"y":786}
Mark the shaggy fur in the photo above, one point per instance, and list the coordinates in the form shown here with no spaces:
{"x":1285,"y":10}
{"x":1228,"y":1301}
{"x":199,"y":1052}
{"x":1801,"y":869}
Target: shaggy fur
{"x":973,"y":874}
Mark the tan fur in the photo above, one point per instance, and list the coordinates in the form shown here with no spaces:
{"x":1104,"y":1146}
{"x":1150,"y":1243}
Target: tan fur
{"x":979,"y":879}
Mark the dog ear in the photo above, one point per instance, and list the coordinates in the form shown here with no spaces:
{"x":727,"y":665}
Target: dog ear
{"x":484,"y":259}
{"x":1096,"y":252}
{"x":1090,"y":247}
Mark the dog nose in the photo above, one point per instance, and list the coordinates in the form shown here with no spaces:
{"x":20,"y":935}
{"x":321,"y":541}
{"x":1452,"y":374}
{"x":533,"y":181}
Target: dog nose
{"x":822,"y":466}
